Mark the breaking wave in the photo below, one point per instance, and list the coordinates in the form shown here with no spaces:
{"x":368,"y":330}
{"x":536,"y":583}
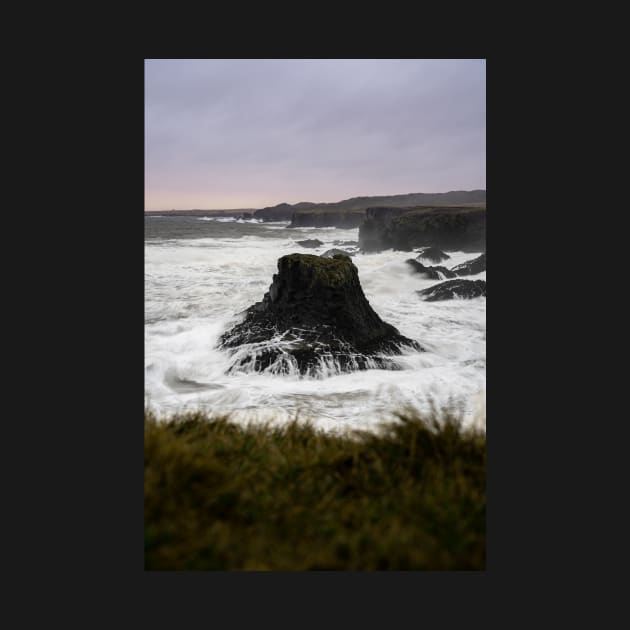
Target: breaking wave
{"x":196,"y":289}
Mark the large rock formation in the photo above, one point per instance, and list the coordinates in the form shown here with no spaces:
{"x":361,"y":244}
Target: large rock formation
{"x":314,"y":318}
{"x":451,"y":289}
{"x":432,"y":273}
{"x":471,"y":267}
{"x":453,"y":228}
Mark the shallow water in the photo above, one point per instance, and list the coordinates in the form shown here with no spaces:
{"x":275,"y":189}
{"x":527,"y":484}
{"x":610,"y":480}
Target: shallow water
{"x":200,"y":273}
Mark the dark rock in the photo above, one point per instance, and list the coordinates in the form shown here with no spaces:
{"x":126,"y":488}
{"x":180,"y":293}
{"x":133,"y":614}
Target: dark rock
{"x":453,"y":228}
{"x":451,"y":289}
{"x":314,"y":315}
{"x":339,"y":218}
{"x":334,"y":252}
{"x":373,"y":232}
{"x":432,"y":254}
{"x":311,"y":242}
{"x":433,"y":273}
{"x":281,"y":212}
{"x":470,"y":267}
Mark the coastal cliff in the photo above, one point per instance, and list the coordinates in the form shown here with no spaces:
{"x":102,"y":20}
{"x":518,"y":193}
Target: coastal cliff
{"x":345,"y":219}
{"x":349,"y":213}
{"x":451,"y":228}
{"x":281,"y":212}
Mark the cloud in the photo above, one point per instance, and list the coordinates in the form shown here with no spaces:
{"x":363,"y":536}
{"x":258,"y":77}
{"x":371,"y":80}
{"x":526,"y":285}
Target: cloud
{"x":266,"y":131}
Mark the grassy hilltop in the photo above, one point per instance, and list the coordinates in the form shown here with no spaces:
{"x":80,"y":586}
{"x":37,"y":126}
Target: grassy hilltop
{"x":222,"y":496}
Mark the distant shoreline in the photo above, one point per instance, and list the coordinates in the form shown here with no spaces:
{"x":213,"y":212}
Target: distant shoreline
{"x":473,"y":198}
{"x":200,"y":213}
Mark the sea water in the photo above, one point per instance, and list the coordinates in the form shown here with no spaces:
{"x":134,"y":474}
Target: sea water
{"x":201,"y":273}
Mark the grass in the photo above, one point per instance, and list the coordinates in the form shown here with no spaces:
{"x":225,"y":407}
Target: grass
{"x":223,"y":496}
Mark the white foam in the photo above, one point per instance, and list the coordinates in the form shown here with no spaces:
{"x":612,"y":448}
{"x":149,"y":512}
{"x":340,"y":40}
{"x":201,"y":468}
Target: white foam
{"x":195,"y":290}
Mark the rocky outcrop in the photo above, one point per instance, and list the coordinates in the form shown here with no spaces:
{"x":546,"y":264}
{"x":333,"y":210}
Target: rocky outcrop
{"x":283,"y":211}
{"x":432,"y":273}
{"x":345,"y":219}
{"x":455,"y":228}
{"x":314,"y":317}
{"x":310,"y":242}
{"x":451,"y":289}
{"x":373,"y":236}
{"x":336,"y":252}
{"x":471,"y":267}
{"x":432,"y":254}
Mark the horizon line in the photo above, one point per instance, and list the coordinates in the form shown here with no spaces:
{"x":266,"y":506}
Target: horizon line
{"x":314,"y":202}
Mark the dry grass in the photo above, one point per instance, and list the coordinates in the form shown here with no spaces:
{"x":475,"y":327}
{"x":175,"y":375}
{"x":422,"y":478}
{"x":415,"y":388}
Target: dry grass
{"x":222,"y":496}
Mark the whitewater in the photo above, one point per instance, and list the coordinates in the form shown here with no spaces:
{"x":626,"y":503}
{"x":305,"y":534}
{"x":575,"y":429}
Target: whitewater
{"x":201,"y":273}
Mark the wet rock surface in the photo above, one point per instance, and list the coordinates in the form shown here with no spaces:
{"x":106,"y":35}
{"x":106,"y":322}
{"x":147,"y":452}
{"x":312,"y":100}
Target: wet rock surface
{"x":315,"y":316}
{"x":471,"y":267}
{"x":432,"y":273}
{"x":454,"y":289}
{"x":432,"y":254}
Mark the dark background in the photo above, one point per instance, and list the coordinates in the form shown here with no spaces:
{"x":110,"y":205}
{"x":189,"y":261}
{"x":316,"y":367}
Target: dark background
{"x":78,"y":524}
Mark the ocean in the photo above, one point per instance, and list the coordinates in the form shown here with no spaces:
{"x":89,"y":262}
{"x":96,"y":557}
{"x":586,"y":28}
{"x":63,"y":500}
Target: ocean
{"x":201,"y":273}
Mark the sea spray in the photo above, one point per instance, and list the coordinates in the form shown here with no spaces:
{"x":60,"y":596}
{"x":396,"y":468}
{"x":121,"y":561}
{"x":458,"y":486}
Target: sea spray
{"x":197,"y":286}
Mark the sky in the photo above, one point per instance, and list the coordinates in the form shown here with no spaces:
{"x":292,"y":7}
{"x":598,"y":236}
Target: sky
{"x":238,"y":133}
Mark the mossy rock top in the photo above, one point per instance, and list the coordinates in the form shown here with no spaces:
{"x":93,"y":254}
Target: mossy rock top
{"x":330,"y":272}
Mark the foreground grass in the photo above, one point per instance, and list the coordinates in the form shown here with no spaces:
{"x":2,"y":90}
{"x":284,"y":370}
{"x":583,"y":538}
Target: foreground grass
{"x":220,"y":496}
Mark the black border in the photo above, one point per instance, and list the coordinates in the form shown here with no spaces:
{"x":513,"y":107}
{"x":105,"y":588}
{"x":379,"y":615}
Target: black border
{"x":98,"y":528}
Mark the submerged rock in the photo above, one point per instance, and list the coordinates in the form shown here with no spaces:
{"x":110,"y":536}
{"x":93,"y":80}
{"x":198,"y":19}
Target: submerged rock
{"x":432,"y":254}
{"x":451,"y":289}
{"x":310,"y":242}
{"x":346,"y":243}
{"x":334,"y":252}
{"x":314,"y":317}
{"x":433,"y":273}
{"x":471,"y":267}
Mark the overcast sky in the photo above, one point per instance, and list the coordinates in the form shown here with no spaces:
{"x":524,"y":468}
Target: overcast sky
{"x":252,"y":133}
